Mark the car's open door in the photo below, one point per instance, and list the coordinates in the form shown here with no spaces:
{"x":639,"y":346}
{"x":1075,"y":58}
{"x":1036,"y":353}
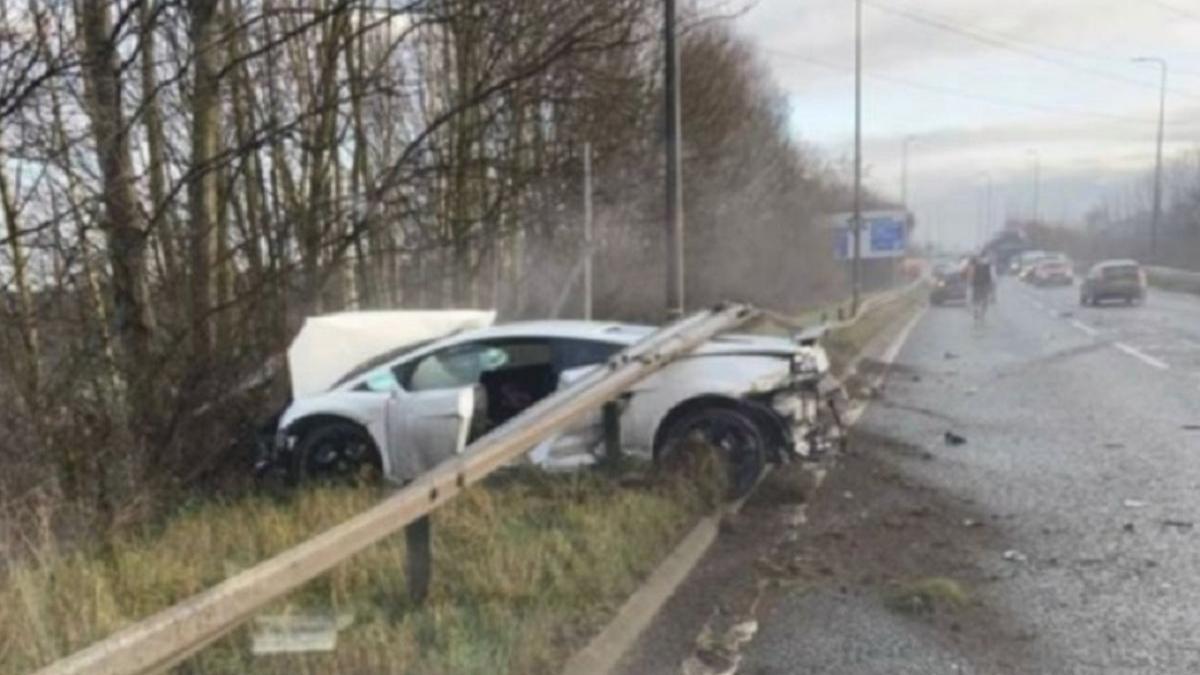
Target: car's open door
{"x":575,"y":446}
{"x":425,"y":428}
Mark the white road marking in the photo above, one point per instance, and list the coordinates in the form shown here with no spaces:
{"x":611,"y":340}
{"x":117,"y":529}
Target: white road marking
{"x":1084,"y":327}
{"x":1141,"y":356}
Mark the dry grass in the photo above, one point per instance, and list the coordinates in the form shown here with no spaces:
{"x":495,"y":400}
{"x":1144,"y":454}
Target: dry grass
{"x":846,"y":343}
{"x":524,"y":571}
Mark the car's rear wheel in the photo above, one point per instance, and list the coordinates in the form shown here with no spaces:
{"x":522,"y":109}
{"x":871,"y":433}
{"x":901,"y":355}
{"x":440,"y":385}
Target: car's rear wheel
{"x":734,"y":434}
{"x":339,"y":453}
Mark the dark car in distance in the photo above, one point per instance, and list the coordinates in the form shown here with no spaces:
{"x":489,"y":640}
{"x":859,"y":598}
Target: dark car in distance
{"x":1113,"y":280}
{"x":949,"y":284}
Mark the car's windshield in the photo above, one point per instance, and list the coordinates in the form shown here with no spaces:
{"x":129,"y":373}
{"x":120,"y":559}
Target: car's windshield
{"x":872,"y":327}
{"x":378,"y":361}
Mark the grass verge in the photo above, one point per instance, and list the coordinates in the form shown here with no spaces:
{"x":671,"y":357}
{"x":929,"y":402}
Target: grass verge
{"x":525,"y":569}
{"x":848,"y":341}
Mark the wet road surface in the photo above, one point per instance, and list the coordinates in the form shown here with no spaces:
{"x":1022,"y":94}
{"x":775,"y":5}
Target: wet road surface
{"x":1080,"y":455}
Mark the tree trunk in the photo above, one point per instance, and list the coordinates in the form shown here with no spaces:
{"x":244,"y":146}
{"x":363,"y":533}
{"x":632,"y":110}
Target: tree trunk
{"x":202,"y":181}
{"x":126,"y":233}
{"x":26,"y":320}
{"x":162,"y":218}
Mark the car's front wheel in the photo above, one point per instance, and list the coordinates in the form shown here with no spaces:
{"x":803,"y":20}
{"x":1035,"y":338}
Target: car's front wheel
{"x":731,"y":432}
{"x":337,"y":452}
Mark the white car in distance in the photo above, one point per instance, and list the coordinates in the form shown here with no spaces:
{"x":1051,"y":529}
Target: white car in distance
{"x":405,"y":410}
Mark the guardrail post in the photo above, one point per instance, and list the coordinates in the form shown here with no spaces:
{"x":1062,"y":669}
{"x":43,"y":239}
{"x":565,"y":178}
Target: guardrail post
{"x":418,"y":563}
{"x":611,"y":423}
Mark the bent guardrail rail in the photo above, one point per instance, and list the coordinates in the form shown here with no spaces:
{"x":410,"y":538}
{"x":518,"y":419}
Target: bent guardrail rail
{"x":170,"y":636}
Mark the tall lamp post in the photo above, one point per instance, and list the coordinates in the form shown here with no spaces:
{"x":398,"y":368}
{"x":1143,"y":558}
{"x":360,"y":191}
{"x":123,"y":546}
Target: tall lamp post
{"x":1158,"y":155}
{"x":988,"y":229}
{"x":908,"y":140}
{"x":674,"y":189}
{"x":856,"y":284}
{"x":1037,"y":182}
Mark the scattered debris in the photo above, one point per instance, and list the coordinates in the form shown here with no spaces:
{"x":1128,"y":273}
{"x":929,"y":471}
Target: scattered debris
{"x":1013,"y":555}
{"x":954,"y":439}
{"x":1134,"y":503}
{"x":1178,"y":524}
{"x":926,"y":595}
{"x":796,"y":516}
{"x":719,"y":645}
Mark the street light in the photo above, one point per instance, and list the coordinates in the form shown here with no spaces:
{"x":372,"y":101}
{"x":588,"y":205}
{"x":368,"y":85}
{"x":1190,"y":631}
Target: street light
{"x":988,"y":218}
{"x":671,"y":126}
{"x":856,"y":284}
{"x":1037,"y":180}
{"x":1158,"y":161}
{"x":908,"y":140}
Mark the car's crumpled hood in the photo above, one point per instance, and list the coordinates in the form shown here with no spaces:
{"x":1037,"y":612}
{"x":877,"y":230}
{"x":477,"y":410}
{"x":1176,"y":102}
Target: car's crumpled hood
{"x":331,"y":345}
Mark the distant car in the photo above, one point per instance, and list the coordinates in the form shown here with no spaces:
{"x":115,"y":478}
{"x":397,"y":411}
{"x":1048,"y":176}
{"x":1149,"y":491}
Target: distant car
{"x":1052,"y":272}
{"x":949,"y":284}
{"x":1113,"y":280}
{"x":1022,"y":263}
{"x":401,"y":413}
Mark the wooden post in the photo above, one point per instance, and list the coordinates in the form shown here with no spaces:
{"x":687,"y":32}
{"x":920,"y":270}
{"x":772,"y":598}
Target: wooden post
{"x":611,"y":423}
{"x":418,"y":564}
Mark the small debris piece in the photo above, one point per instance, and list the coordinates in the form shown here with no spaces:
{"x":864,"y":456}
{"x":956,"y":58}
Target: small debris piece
{"x":1134,"y":503}
{"x":1128,"y":527}
{"x":954,"y":439}
{"x":1191,"y":427}
{"x":797,"y":516}
{"x":1013,"y":555}
{"x":1178,"y":524}
{"x":847,"y":495}
{"x":297,"y":633}
{"x":950,"y":355}
{"x":969,"y":522}
{"x":1114,"y":446}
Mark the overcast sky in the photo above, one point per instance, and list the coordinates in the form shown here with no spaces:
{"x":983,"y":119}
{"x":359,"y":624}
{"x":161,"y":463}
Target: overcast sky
{"x":1053,"y":77}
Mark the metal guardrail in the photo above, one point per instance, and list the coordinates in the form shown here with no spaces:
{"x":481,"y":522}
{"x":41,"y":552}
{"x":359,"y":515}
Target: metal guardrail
{"x":170,"y":636}
{"x":1173,"y":279}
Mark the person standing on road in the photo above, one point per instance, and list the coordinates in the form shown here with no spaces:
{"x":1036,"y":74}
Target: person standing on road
{"x":983,"y":284}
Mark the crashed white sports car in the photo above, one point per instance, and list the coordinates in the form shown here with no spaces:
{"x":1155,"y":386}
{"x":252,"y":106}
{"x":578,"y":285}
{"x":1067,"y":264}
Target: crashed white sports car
{"x":409,"y":407}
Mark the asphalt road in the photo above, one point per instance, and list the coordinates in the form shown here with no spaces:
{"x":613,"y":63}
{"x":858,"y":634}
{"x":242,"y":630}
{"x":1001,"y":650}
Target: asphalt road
{"x":1079,"y":455}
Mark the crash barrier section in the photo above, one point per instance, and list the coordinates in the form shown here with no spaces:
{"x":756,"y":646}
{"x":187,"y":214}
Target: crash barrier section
{"x":170,"y":636}
{"x":1173,"y":279}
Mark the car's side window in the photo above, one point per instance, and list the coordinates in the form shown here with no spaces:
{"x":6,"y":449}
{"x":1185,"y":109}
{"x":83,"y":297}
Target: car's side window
{"x":462,"y":365}
{"x":574,"y":353}
{"x":382,"y":380}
